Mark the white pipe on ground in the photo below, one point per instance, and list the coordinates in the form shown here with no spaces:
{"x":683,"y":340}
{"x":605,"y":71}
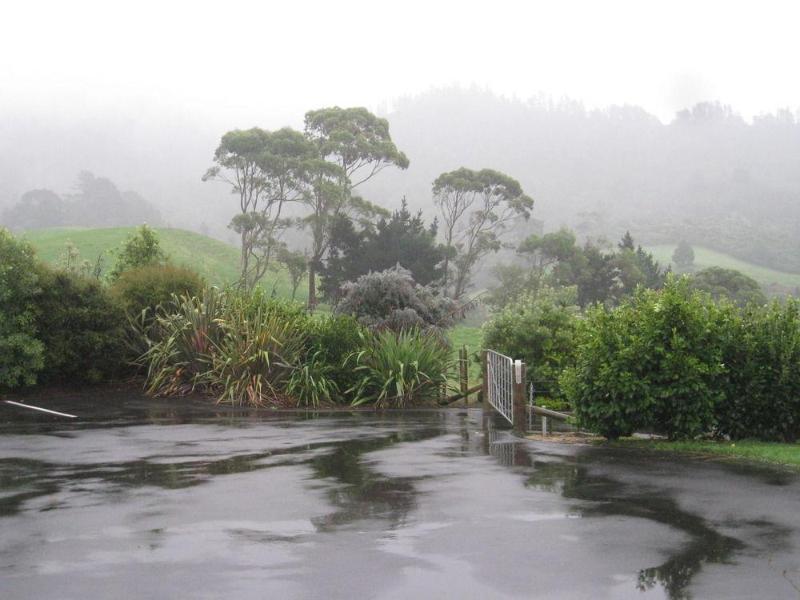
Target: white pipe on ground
{"x":46,"y":410}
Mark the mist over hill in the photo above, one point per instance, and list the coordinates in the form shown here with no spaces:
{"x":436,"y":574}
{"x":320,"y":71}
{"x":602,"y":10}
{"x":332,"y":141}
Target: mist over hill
{"x":707,"y":176}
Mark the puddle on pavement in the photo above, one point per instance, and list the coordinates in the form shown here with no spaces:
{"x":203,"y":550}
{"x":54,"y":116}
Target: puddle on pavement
{"x":155,"y":499}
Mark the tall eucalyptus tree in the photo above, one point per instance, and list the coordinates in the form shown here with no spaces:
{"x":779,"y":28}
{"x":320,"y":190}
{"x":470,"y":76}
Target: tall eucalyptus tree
{"x":266,"y":170}
{"x":353,"y":146}
{"x":476,"y":208}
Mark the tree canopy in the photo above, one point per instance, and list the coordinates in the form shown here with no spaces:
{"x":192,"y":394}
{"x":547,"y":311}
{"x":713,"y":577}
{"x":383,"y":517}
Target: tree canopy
{"x":265,"y":170}
{"x":401,"y":239}
{"x":728,"y":283}
{"x":354,"y":146}
{"x":476,"y":209}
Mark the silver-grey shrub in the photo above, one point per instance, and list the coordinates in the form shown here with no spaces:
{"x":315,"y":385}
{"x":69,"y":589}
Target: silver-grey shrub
{"x":391,"y":299}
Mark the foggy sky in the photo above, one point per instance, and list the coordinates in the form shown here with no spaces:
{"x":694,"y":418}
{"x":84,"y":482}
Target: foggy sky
{"x":235,"y":64}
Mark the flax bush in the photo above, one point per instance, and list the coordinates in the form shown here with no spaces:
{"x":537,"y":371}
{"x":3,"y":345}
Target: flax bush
{"x":243,"y":348}
{"x":258,"y":351}
{"x":180,"y":343}
{"x":401,"y":369}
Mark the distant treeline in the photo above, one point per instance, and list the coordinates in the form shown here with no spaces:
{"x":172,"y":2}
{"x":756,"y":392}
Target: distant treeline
{"x":96,"y":202}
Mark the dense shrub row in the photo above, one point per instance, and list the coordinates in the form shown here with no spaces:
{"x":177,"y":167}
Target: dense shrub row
{"x":247,"y":348}
{"x":66,"y":326}
{"x":54,"y":326}
{"x":63,"y":326}
{"x":676,"y":363}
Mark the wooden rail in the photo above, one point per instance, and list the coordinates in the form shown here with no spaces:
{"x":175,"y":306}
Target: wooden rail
{"x":546,"y":412}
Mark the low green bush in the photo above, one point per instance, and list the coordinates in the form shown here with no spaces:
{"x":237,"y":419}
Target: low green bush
{"x":333,"y":343}
{"x":655,"y":362}
{"x":140,"y":249}
{"x":81,"y":327}
{"x":314,"y":381}
{"x":147,"y":287}
{"x":400,"y":369}
{"x":540,"y":330}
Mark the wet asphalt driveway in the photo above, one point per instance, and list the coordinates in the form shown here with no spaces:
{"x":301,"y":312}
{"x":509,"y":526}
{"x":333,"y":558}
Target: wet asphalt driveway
{"x":175,"y":500}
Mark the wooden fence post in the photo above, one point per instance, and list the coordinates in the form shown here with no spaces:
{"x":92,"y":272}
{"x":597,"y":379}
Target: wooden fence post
{"x":520,"y":401}
{"x":463,"y":372}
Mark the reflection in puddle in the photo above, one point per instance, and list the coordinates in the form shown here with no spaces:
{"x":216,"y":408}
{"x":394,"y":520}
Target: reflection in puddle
{"x":602,"y":496}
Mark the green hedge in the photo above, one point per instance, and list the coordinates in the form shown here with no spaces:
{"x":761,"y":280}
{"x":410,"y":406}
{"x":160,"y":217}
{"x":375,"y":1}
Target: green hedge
{"x":677,"y":363}
{"x":652,"y":363}
{"x":762,"y":383}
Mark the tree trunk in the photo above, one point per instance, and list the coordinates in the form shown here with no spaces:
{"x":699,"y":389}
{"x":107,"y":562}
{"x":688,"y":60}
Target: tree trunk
{"x":312,"y":287}
{"x":244,"y":262}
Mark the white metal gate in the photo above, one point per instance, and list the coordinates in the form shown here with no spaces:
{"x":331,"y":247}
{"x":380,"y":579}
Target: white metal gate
{"x":500,"y":380}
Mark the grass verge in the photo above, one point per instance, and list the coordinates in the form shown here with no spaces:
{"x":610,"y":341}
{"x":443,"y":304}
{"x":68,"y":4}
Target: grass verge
{"x":766,"y":452}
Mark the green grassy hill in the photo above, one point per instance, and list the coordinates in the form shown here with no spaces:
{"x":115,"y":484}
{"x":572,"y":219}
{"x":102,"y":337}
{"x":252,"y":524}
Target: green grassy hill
{"x":216,"y":261}
{"x":705,"y":257}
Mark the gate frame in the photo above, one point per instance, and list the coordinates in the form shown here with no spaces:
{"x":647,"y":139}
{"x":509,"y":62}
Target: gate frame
{"x":519,"y":397}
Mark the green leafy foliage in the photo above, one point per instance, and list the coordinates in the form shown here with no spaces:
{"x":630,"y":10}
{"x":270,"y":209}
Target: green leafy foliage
{"x":683,"y":257}
{"x":354,"y":145}
{"x":245,"y":348}
{"x":149,"y":286}
{"x":402,"y":239}
{"x":729,"y":283}
{"x":540,"y":330}
{"x":21,"y":352}
{"x":600,"y":275}
{"x":140,"y":249}
{"x":477,"y":208}
{"x":333,"y":342}
{"x":265,"y":170}
{"x":81,"y":327}
{"x":655,"y":362}
{"x":762,"y":356}
{"x":257,"y":353}
{"x":313,"y":381}
{"x":240,"y":347}
{"x":355,"y":139}
{"x":401,"y":369}
{"x":180,"y":342}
